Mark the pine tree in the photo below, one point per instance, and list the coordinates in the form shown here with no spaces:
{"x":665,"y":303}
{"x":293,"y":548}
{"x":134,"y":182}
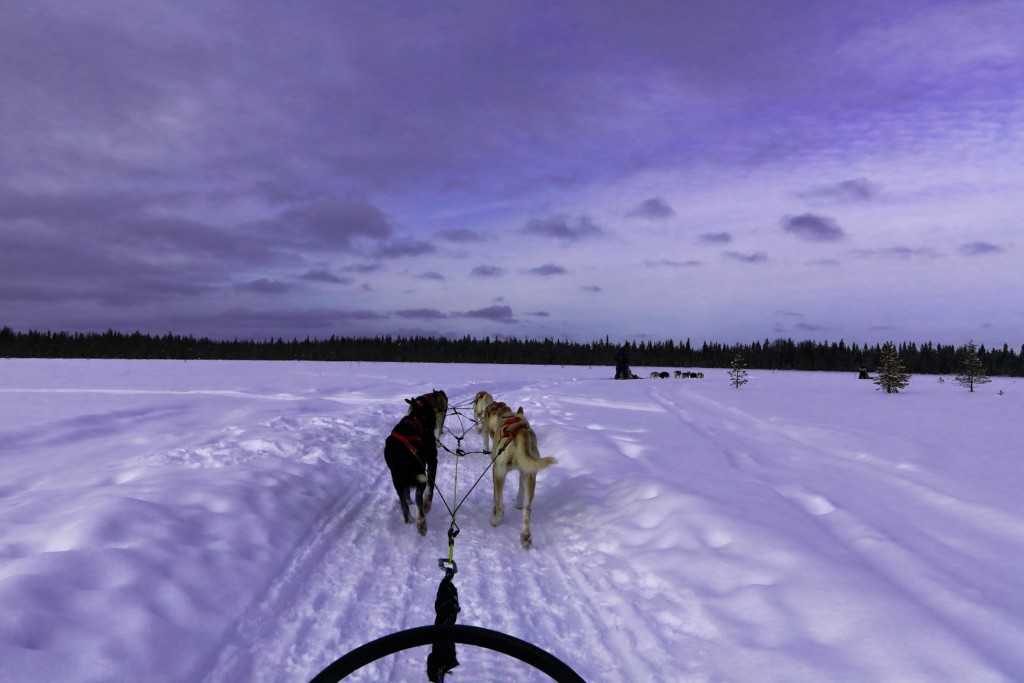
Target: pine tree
{"x":891,"y":375}
{"x":737,"y":375}
{"x":972,"y":371}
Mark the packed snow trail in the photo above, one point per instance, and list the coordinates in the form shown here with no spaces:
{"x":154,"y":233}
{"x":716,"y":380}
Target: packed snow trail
{"x":623,"y":613}
{"x":230,"y":522}
{"x":334,"y":596}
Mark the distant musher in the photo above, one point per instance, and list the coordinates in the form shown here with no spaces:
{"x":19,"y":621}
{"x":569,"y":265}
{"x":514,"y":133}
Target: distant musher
{"x":622,"y":370}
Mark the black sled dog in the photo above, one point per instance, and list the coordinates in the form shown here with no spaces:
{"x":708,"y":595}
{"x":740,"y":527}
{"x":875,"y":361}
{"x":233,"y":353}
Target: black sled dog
{"x":411,"y":454}
{"x":438,"y":400}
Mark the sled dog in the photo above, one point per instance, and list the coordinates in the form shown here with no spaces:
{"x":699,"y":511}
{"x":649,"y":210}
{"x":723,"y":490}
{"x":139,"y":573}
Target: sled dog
{"x":437,"y":400}
{"x":515,"y":448}
{"x":494,"y":415}
{"x":480,"y":403}
{"x":410,"y":452}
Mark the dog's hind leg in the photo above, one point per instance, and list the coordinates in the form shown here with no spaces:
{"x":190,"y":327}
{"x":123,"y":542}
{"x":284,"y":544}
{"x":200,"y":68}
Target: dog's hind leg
{"x":531,"y":444}
{"x":421,"y":515}
{"x":403,"y":500}
{"x":529,"y":482}
{"x":428,"y":500}
{"x":499,"y":473}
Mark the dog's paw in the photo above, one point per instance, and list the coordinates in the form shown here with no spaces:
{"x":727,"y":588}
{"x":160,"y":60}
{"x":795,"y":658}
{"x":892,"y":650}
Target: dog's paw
{"x":496,"y":520}
{"x":526,"y":539}
{"x":421,"y":526}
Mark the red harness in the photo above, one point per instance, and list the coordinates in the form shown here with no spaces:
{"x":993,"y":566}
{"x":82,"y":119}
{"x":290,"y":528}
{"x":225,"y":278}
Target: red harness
{"x":512,"y":425}
{"x":410,"y":440}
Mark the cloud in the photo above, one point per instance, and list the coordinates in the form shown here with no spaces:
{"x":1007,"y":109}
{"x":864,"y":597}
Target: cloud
{"x":501,"y":314}
{"x":653,"y":208}
{"x":421,"y":314}
{"x":853,"y":190}
{"x":142,"y":229}
{"x":264,"y":286}
{"x":813,"y":228}
{"x":234,"y":161}
{"x":715,"y":237}
{"x":669,"y":263}
{"x":364,"y":268}
{"x":400,"y":248}
{"x":903,"y":253}
{"x":487,"y":271}
{"x":563,"y":228}
{"x":40,"y":264}
{"x":980,"y":249}
{"x":548,"y":269}
{"x":460,"y":235}
{"x":757,"y":257}
{"x":809,"y":327}
{"x":539,"y":314}
{"x":328,"y":224}
{"x":325,"y":276}
{"x":592,"y":288}
{"x":71,"y":207}
{"x":431,"y":275}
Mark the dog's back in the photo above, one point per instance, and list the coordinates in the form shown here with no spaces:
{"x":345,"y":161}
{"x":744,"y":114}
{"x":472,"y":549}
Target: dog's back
{"x":516,"y":441}
{"x":438,"y":402}
{"x":494,"y":415}
{"x":407,"y":450}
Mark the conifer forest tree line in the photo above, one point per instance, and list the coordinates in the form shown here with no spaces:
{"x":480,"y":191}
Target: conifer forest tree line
{"x":769,"y":354}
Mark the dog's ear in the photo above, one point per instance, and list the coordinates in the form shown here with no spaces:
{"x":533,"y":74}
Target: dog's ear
{"x":520,"y":411}
{"x":410,"y":400}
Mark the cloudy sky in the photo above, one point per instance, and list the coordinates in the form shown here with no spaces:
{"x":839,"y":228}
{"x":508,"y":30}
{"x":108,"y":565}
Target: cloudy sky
{"x":722,"y":170}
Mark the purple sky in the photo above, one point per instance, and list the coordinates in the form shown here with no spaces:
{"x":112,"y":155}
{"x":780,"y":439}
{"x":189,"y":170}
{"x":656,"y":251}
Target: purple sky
{"x":717,"y":170}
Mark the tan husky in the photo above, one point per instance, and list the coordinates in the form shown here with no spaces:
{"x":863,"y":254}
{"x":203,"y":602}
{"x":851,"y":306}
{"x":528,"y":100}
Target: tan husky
{"x":515,"y":448}
{"x":480,"y":403}
{"x":493,"y":415}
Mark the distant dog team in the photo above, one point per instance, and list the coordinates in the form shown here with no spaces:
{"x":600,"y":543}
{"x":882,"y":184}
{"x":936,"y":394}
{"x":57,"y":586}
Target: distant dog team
{"x":411,"y":454}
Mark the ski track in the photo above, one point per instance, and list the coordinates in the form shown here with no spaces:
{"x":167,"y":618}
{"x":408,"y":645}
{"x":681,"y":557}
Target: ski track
{"x":333,"y":562}
{"x":918,"y":578}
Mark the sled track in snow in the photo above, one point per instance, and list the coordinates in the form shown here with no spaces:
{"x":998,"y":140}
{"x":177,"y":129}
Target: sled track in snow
{"x":609,"y":620}
{"x":303,"y":591}
{"x":908,"y":570}
{"x":337,"y":559}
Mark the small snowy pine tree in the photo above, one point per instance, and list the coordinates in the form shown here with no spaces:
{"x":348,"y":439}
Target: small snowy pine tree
{"x":972,"y":371}
{"x":737,"y":375}
{"x":891,"y":375}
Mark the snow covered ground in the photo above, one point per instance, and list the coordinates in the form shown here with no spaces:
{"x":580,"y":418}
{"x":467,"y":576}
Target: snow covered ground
{"x":230,"y":521}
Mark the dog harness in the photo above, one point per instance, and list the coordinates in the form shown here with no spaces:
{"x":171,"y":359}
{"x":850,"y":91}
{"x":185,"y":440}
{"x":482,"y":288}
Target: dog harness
{"x":512,"y":425}
{"x":409,"y":440}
